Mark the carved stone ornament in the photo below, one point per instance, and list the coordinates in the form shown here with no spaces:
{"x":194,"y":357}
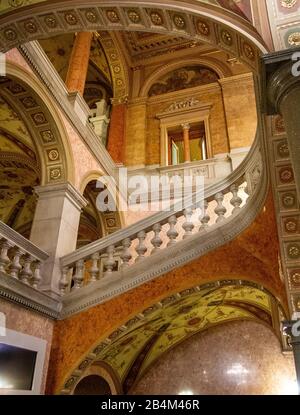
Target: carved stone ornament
{"x":187,"y":103}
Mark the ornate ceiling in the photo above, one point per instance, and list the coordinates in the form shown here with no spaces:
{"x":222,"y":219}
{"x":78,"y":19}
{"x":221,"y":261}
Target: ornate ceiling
{"x":161,"y":327}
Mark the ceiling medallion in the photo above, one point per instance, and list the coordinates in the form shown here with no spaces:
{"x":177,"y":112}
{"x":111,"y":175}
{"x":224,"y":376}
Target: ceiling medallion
{"x":53,"y":155}
{"x":226,"y":37}
{"x":55,"y":173}
{"x":112,"y":16}
{"x":203,"y":28}
{"x":47,"y":136}
{"x":39,"y":118}
{"x":29,"y":102}
{"x":71,"y":19}
{"x":291,"y":225}
{"x":286,"y":174}
{"x":16,"y":88}
{"x":294,"y":39}
{"x":91,"y":16}
{"x":288,"y":200}
{"x":10,"y":34}
{"x":288,"y":3}
{"x":179,"y":21}
{"x":293,"y":251}
{"x":15,"y":3}
{"x":133,"y":16}
{"x":296,"y":278}
{"x":279,"y":124}
{"x":50,"y":21}
{"x":248,"y":50}
{"x":30,"y":26}
{"x":156,"y":18}
{"x":283,"y":149}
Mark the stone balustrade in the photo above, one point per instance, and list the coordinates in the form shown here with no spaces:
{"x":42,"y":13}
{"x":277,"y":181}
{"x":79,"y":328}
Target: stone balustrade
{"x":19,"y":258}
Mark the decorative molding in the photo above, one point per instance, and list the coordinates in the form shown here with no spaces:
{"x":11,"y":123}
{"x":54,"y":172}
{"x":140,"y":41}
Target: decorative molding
{"x":186,"y":104}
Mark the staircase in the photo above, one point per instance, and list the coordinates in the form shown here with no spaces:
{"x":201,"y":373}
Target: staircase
{"x":145,"y":250}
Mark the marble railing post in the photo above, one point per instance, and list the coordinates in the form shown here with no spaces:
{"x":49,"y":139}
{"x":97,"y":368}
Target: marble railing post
{"x":281,"y":94}
{"x":55,"y":228}
{"x":79,"y":62}
{"x":186,"y":142}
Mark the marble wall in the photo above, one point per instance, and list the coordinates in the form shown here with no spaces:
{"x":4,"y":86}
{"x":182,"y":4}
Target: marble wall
{"x":236,"y":358}
{"x":33,"y":324}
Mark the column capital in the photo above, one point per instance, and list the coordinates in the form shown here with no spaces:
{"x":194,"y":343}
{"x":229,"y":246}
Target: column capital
{"x":50,"y":191}
{"x":279,"y":77}
{"x":186,"y":126}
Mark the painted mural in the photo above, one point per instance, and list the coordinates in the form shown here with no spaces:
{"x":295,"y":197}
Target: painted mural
{"x":134,"y":353}
{"x":183,"y":78}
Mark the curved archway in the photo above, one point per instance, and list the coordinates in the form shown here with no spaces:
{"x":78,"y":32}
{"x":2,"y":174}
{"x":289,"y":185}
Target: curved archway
{"x":29,"y":97}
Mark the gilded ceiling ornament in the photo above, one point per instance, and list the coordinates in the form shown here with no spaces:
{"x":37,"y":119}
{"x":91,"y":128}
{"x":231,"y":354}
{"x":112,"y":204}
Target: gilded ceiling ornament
{"x":30,"y":26}
{"x":294,"y":39}
{"x":279,"y":124}
{"x":291,"y":226}
{"x":226,"y":37}
{"x":55,"y":173}
{"x":16,"y":88}
{"x":288,"y":200}
{"x":179,"y":21}
{"x":53,"y":155}
{"x":39,"y":118}
{"x":249,"y":52}
{"x":296,"y":277}
{"x":29,"y":102}
{"x":286,"y":174}
{"x":10,"y":34}
{"x":288,"y":3}
{"x":156,"y":18}
{"x":47,"y":136}
{"x":50,"y":21}
{"x":112,"y":16}
{"x":203,"y":28}
{"x":133,"y":16}
{"x":16,"y":3}
{"x":91,"y":16}
{"x":283,"y":149}
{"x":111,"y":222}
{"x":71,"y":19}
{"x":293,"y":251}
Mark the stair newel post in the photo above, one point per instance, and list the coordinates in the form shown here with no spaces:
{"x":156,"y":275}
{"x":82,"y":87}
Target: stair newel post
{"x":156,"y":241}
{"x":141,"y":249}
{"x":172,"y":232}
{"x":188,"y":225}
{"x":220,"y":210}
{"x":126,"y":255}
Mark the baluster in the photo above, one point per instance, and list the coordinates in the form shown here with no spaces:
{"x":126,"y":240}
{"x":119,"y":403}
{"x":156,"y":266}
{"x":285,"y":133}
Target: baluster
{"x":156,"y":241}
{"x":110,"y":261}
{"x":141,"y":249}
{"x":188,"y":225}
{"x":126,"y":255}
{"x":15,"y":265}
{"x":79,"y":275}
{"x":204,"y":217}
{"x":64,"y":281}
{"x":236,"y":201}
{"x":94,"y":270}
{"x":36,"y":279}
{"x":172,"y":232}
{"x":4,"y":259}
{"x":26,"y":273}
{"x":220,"y":210}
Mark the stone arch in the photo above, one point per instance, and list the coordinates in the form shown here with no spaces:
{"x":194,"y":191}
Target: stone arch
{"x":104,"y":371}
{"x":32,"y":101}
{"x":184,"y":302}
{"x":206,"y":22}
{"x":210,"y":63}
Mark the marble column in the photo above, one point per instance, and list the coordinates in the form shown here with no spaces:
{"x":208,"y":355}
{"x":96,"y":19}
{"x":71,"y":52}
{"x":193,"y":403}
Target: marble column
{"x":55,"y":228}
{"x":282,"y":90}
{"x":186,"y":142}
{"x":79,"y":62}
{"x":117,"y":130}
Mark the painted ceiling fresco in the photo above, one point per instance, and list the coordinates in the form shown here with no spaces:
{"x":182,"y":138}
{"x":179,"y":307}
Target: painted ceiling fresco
{"x":17,"y":174}
{"x":132,"y":354}
{"x":239,"y":7}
